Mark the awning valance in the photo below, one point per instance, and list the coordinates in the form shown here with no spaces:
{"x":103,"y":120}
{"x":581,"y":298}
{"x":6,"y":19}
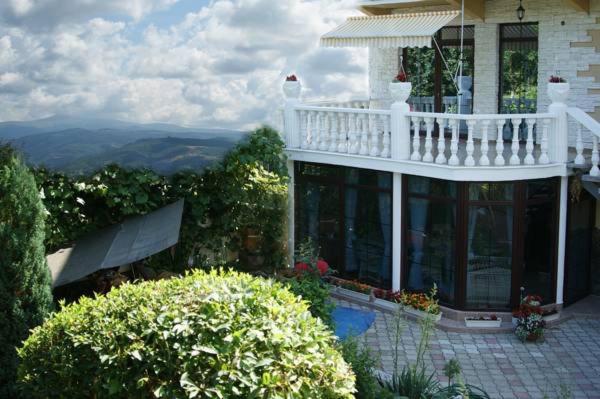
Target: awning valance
{"x":389,"y":31}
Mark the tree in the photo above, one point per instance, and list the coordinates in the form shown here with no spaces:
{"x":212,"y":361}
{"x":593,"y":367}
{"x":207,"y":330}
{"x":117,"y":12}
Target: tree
{"x":25,"y":293}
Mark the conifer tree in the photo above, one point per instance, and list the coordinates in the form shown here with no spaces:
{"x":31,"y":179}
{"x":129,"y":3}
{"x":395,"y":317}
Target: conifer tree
{"x":25,"y":288}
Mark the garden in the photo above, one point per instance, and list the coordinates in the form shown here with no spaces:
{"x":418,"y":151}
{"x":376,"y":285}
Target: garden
{"x":235,"y":322}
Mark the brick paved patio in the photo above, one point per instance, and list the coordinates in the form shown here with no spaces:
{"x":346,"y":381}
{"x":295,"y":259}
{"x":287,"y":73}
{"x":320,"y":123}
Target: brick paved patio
{"x":500,"y":363}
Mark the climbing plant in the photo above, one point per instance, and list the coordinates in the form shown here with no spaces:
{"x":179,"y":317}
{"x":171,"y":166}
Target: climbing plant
{"x":247,"y":190}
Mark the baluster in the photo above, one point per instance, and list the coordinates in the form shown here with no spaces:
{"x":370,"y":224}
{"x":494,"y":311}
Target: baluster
{"x":441,"y":143}
{"x":333,"y":132}
{"x":342,"y":138}
{"x":324,"y":143}
{"x":454,"y":161}
{"x":469,"y":160}
{"x":364,"y":135}
{"x":416,"y":154}
{"x":386,"y":152}
{"x":514,"y":158}
{"x":428,"y":157}
{"x":315,"y":130}
{"x":579,"y":159}
{"x":485,"y":160}
{"x":544,"y":160}
{"x":374,"y":136}
{"x":595,"y":171}
{"x":353,"y":143}
{"x":529,"y":159}
{"x":499,"y":161}
{"x":304,"y":129}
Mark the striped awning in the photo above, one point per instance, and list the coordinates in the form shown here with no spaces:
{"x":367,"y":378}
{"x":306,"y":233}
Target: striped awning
{"x":389,"y":31}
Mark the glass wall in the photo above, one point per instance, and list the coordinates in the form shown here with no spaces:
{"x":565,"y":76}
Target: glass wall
{"x":348,"y":213}
{"x":431,"y":236}
{"x":480,"y":242}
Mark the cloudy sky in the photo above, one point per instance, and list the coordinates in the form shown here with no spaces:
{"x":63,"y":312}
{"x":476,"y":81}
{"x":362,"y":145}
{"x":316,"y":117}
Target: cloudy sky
{"x":214,"y":63}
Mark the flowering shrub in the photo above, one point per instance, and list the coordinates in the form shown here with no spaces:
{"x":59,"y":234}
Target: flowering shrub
{"x":291,"y":78}
{"x":401,"y":78}
{"x":421,"y":301}
{"x":530,"y":321}
{"x":556,"y":79}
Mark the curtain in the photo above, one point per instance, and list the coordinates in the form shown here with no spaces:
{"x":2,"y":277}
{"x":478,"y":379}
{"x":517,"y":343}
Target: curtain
{"x":385,"y":219}
{"x":312,"y":198}
{"x":350,"y":216}
{"x":418,"y":209}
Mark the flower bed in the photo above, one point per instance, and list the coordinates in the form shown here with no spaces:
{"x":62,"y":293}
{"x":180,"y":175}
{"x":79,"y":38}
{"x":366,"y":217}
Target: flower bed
{"x":529,"y":319}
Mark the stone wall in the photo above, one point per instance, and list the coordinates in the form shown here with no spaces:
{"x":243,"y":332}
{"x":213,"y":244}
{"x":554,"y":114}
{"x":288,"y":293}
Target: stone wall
{"x":569,"y":45}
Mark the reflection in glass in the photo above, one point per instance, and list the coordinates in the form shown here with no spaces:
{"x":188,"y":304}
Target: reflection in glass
{"x":489,"y":258}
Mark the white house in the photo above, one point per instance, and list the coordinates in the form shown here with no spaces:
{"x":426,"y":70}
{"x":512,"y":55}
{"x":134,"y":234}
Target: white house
{"x":482,"y":184}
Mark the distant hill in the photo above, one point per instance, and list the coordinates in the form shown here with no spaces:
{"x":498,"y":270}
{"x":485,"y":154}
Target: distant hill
{"x":163,"y":155}
{"x":83,"y":145}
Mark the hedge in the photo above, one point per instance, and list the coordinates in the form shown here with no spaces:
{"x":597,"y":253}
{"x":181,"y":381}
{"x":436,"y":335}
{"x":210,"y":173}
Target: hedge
{"x":207,"y":335}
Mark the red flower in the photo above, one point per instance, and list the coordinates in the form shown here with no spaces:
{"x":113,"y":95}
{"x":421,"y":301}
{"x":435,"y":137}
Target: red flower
{"x":301,"y":267}
{"x":401,"y":77}
{"x":557,"y":79}
{"x":322,"y":266}
{"x":291,"y":78}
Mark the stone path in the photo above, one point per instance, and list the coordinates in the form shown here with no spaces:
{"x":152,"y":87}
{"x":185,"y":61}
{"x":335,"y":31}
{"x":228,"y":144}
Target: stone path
{"x":499,"y":363}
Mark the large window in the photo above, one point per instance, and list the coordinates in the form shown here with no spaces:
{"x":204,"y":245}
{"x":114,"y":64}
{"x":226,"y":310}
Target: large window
{"x":348,"y":213}
{"x":480,"y":242}
{"x":518,"y":68}
{"x":432,"y":72}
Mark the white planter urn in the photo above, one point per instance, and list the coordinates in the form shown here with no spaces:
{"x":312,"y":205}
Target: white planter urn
{"x":292,"y":89}
{"x":558,"y":92}
{"x":400,"y":91}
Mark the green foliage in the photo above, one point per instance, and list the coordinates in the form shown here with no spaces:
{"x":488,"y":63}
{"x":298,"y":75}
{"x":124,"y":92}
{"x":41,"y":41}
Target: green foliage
{"x":247,"y":190}
{"x":316,"y":292}
{"x":208,"y":335}
{"x":363,"y":364}
{"x":25,"y":297}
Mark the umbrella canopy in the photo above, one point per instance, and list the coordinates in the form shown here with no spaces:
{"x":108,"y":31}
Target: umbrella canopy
{"x":133,"y":240}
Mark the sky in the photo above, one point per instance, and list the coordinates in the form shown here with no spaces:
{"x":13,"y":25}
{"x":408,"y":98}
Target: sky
{"x":201,"y":63}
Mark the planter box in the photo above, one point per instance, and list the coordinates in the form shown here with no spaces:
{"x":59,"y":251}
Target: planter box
{"x":353,"y":294}
{"x":483,"y":323}
{"x":420,"y":314}
{"x":382,"y":303}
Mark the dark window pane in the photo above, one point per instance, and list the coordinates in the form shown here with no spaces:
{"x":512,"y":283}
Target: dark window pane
{"x":538,"y":262}
{"x":365,"y":177}
{"x":539,"y":189}
{"x":430,"y":247}
{"x":307,"y":169}
{"x":489,"y":257}
{"x":491,"y":191}
{"x":431,"y":187}
{"x":453,"y":33}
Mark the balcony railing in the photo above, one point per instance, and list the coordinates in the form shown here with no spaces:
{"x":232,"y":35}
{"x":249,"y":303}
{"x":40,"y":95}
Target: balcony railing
{"x":444,"y":139}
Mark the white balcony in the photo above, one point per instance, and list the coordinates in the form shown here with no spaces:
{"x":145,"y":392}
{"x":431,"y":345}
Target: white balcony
{"x":480,"y":147}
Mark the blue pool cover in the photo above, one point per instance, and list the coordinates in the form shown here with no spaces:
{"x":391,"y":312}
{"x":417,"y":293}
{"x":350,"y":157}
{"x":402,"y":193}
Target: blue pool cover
{"x":351,"y":322}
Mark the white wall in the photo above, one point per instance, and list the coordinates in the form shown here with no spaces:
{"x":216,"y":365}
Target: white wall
{"x":556,"y":53}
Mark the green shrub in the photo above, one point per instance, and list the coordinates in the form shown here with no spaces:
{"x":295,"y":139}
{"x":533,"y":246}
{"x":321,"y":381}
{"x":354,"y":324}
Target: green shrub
{"x":25,"y":297}
{"x":316,"y":292}
{"x":208,"y":335}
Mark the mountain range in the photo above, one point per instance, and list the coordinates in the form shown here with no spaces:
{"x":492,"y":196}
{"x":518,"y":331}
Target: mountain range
{"x":80,"y":146}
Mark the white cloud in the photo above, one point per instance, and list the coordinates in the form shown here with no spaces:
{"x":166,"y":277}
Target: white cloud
{"x":222,"y":66}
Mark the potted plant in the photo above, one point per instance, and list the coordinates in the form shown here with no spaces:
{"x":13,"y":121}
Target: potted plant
{"x":421,"y":304}
{"x":491,"y":321}
{"x":292,"y":87}
{"x":530,"y":321}
{"x":558,"y":89}
{"x":400,"y":87}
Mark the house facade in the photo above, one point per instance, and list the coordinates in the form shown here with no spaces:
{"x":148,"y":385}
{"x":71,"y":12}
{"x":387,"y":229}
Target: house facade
{"x":480,"y":177}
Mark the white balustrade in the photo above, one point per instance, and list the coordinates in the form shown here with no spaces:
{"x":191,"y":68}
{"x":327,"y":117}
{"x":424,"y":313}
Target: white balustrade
{"x":579,"y":159}
{"x":416,"y":154}
{"x":454,"y":161}
{"x":499,"y":161}
{"x":484,"y":160}
{"x":364,"y":135}
{"x":515,"y":147}
{"x":386,"y":151}
{"x":441,"y":144}
{"x":429,"y":124}
{"x":595,"y":171}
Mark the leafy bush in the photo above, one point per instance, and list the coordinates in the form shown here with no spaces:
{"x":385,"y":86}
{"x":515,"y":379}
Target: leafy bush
{"x":246,"y":190}
{"x":316,"y":292}
{"x":208,"y":335}
{"x":25,"y":297}
{"x":363,"y":365}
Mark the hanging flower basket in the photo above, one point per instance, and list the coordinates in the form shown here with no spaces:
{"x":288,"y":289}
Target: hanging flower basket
{"x":558,"y":89}
{"x":292,"y":87}
{"x":400,"y":88}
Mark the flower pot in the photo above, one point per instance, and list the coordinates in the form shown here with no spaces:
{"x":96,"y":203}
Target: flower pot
{"x":421,"y":315}
{"x":483,"y":323}
{"x":533,"y":337}
{"x":558,"y":92}
{"x":400,"y":91}
{"x":292,"y":89}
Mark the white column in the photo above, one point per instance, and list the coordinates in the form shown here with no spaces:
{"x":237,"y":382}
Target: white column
{"x":397,"y":232}
{"x":559,"y":136}
{"x":400,"y":134}
{"x":292,"y":92}
{"x":291,"y":222}
{"x":562,"y":238}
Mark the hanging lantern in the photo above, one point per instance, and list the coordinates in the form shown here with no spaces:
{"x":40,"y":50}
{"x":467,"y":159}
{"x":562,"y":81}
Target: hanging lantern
{"x":520,"y":11}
